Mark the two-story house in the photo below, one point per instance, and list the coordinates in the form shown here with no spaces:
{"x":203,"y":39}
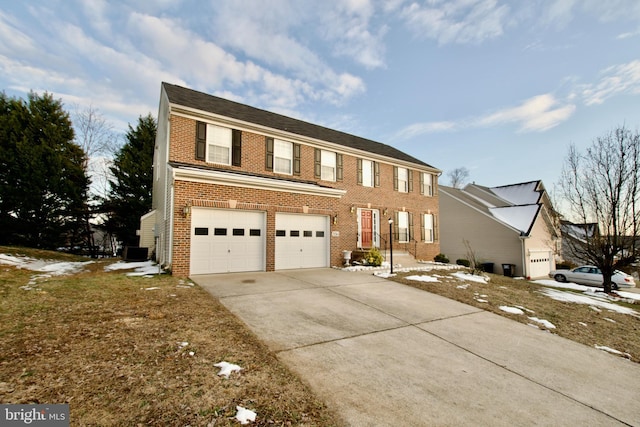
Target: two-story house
{"x":237,"y":188}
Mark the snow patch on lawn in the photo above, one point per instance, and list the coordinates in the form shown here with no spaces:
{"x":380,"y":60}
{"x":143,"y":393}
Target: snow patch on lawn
{"x":49,"y":268}
{"x":470,"y":277}
{"x":512,"y":310}
{"x":245,"y":415}
{"x":423,"y":278}
{"x":143,"y":268}
{"x":227,"y":368}
{"x":612,"y":351}
{"x":596,"y":303}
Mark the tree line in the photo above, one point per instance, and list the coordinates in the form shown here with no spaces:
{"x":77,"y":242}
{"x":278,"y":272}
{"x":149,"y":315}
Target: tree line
{"x":55,"y":188}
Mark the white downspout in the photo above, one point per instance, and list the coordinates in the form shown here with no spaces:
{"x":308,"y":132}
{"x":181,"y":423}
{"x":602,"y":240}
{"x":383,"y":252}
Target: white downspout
{"x":523,"y":237}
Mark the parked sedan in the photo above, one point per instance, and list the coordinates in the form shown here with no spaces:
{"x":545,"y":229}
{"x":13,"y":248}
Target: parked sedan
{"x":592,"y":276}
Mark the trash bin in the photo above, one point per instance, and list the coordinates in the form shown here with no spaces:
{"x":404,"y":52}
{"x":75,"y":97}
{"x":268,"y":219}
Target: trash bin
{"x":509,"y":270}
{"x":487,"y":267}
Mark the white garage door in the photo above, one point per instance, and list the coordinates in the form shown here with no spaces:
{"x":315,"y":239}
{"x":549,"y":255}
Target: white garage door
{"x":302,"y":241}
{"x":539,"y":263}
{"x":225,"y":241}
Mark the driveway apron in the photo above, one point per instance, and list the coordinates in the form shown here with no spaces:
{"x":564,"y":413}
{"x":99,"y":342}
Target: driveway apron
{"x":384,"y":354}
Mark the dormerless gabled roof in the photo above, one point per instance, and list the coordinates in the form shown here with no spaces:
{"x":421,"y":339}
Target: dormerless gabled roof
{"x":212,"y":104}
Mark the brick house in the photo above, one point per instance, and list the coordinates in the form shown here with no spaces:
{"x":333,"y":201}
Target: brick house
{"x":237,"y":188}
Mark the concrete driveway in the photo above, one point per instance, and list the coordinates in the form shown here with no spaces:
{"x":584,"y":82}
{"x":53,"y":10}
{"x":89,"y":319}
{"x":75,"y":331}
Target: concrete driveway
{"x":384,"y":354}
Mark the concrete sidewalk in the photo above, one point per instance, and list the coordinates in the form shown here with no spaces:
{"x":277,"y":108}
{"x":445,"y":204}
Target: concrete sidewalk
{"x":384,"y":354}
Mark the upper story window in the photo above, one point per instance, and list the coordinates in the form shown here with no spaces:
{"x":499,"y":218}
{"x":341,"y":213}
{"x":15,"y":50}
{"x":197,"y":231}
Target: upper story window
{"x":368,"y":173}
{"x":402,"y":180}
{"x":328,"y":165}
{"x":218,"y":145}
{"x":282,"y":156}
{"x":426,"y":184}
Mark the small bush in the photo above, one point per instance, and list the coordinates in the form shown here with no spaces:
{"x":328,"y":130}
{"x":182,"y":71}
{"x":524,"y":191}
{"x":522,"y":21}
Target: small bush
{"x":463,"y":262}
{"x":441,"y":258}
{"x":373,"y":257}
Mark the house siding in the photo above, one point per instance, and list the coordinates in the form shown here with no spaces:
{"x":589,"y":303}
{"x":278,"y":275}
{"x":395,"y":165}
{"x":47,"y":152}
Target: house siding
{"x":490,"y":240}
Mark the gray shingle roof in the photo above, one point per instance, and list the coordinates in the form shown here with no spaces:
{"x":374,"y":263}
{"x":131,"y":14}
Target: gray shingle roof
{"x":213,"y":104}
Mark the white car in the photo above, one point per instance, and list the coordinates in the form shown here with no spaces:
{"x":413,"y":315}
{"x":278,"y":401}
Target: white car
{"x":592,"y":276}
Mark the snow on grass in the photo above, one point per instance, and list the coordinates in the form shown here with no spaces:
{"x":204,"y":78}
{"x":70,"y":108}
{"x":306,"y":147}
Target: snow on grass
{"x":612,"y":351}
{"x":568,"y":285}
{"x":470,"y":277}
{"x":628,"y":295}
{"x":423,"y":278}
{"x":143,"y":268}
{"x":512,"y":310}
{"x":49,"y":268}
{"x":543,"y":322}
{"x":227,"y":368}
{"x":595,"y":303}
{"x":245,"y":415}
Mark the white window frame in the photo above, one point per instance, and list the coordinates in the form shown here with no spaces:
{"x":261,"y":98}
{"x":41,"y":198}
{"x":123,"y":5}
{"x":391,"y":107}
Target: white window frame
{"x":428,"y":228}
{"x":427,"y":184}
{"x":219,"y":141}
{"x":328,"y":165}
{"x":368,"y":173}
{"x":283,"y":157}
{"x":403,"y":227}
{"x":403,"y":180}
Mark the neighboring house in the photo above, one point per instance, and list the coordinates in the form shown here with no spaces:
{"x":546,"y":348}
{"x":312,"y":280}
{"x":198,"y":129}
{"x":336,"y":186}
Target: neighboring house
{"x":575,"y":235}
{"x":512,"y":224}
{"x":237,"y":188}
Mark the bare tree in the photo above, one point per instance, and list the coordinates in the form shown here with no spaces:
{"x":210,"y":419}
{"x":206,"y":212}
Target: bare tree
{"x":98,"y":140}
{"x":95,"y":136}
{"x":458,"y":177}
{"x":601,"y":191}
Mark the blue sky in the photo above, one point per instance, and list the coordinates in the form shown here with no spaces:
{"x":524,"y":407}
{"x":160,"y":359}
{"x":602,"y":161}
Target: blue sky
{"x":499,"y":87}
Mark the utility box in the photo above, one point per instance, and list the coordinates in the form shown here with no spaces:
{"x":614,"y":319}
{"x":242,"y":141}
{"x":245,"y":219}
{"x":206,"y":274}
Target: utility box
{"x":509,"y":270}
{"x":134,"y":253}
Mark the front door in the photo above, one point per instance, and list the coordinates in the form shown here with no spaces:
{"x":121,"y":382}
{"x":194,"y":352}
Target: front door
{"x":366,"y":226}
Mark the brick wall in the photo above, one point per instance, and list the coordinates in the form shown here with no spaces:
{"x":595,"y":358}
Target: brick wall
{"x":382,"y":198}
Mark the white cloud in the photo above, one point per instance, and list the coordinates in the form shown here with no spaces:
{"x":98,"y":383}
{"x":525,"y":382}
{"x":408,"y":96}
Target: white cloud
{"x":208,"y":66}
{"x":417,"y":129}
{"x":615,"y":80}
{"x":348,"y":26}
{"x":457,"y":21}
{"x":539,"y":113}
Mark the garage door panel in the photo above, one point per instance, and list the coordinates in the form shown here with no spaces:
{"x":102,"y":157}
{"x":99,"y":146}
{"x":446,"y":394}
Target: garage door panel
{"x":302,"y":241}
{"x":227,"y":241}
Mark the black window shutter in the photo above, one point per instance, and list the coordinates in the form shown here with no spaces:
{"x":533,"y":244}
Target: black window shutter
{"x":201,"y":140}
{"x":423,"y":231}
{"x":269,"y":154}
{"x":359,"y":171}
{"x":421,"y":184}
{"x":396,"y":225}
{"x":395,"y":178}
{"x":317,"y":164}
{"x":236,"y":148}
{"x":339,"y":171}
{"x":410,"y":237}
{"x":296,"y":159}
{"x":376,"y":172}
{"x":410,"y":178}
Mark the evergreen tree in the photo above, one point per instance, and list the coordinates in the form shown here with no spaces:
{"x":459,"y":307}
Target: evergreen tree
{"x":131,"y":186}
{"x":42,"y":179}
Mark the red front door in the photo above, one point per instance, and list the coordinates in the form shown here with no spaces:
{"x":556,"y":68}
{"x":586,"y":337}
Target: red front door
{"x":366,"y":228}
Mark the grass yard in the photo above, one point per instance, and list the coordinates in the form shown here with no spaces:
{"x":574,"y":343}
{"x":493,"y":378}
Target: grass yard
{"x":577,"y":322}
{"x":115,"y":351}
